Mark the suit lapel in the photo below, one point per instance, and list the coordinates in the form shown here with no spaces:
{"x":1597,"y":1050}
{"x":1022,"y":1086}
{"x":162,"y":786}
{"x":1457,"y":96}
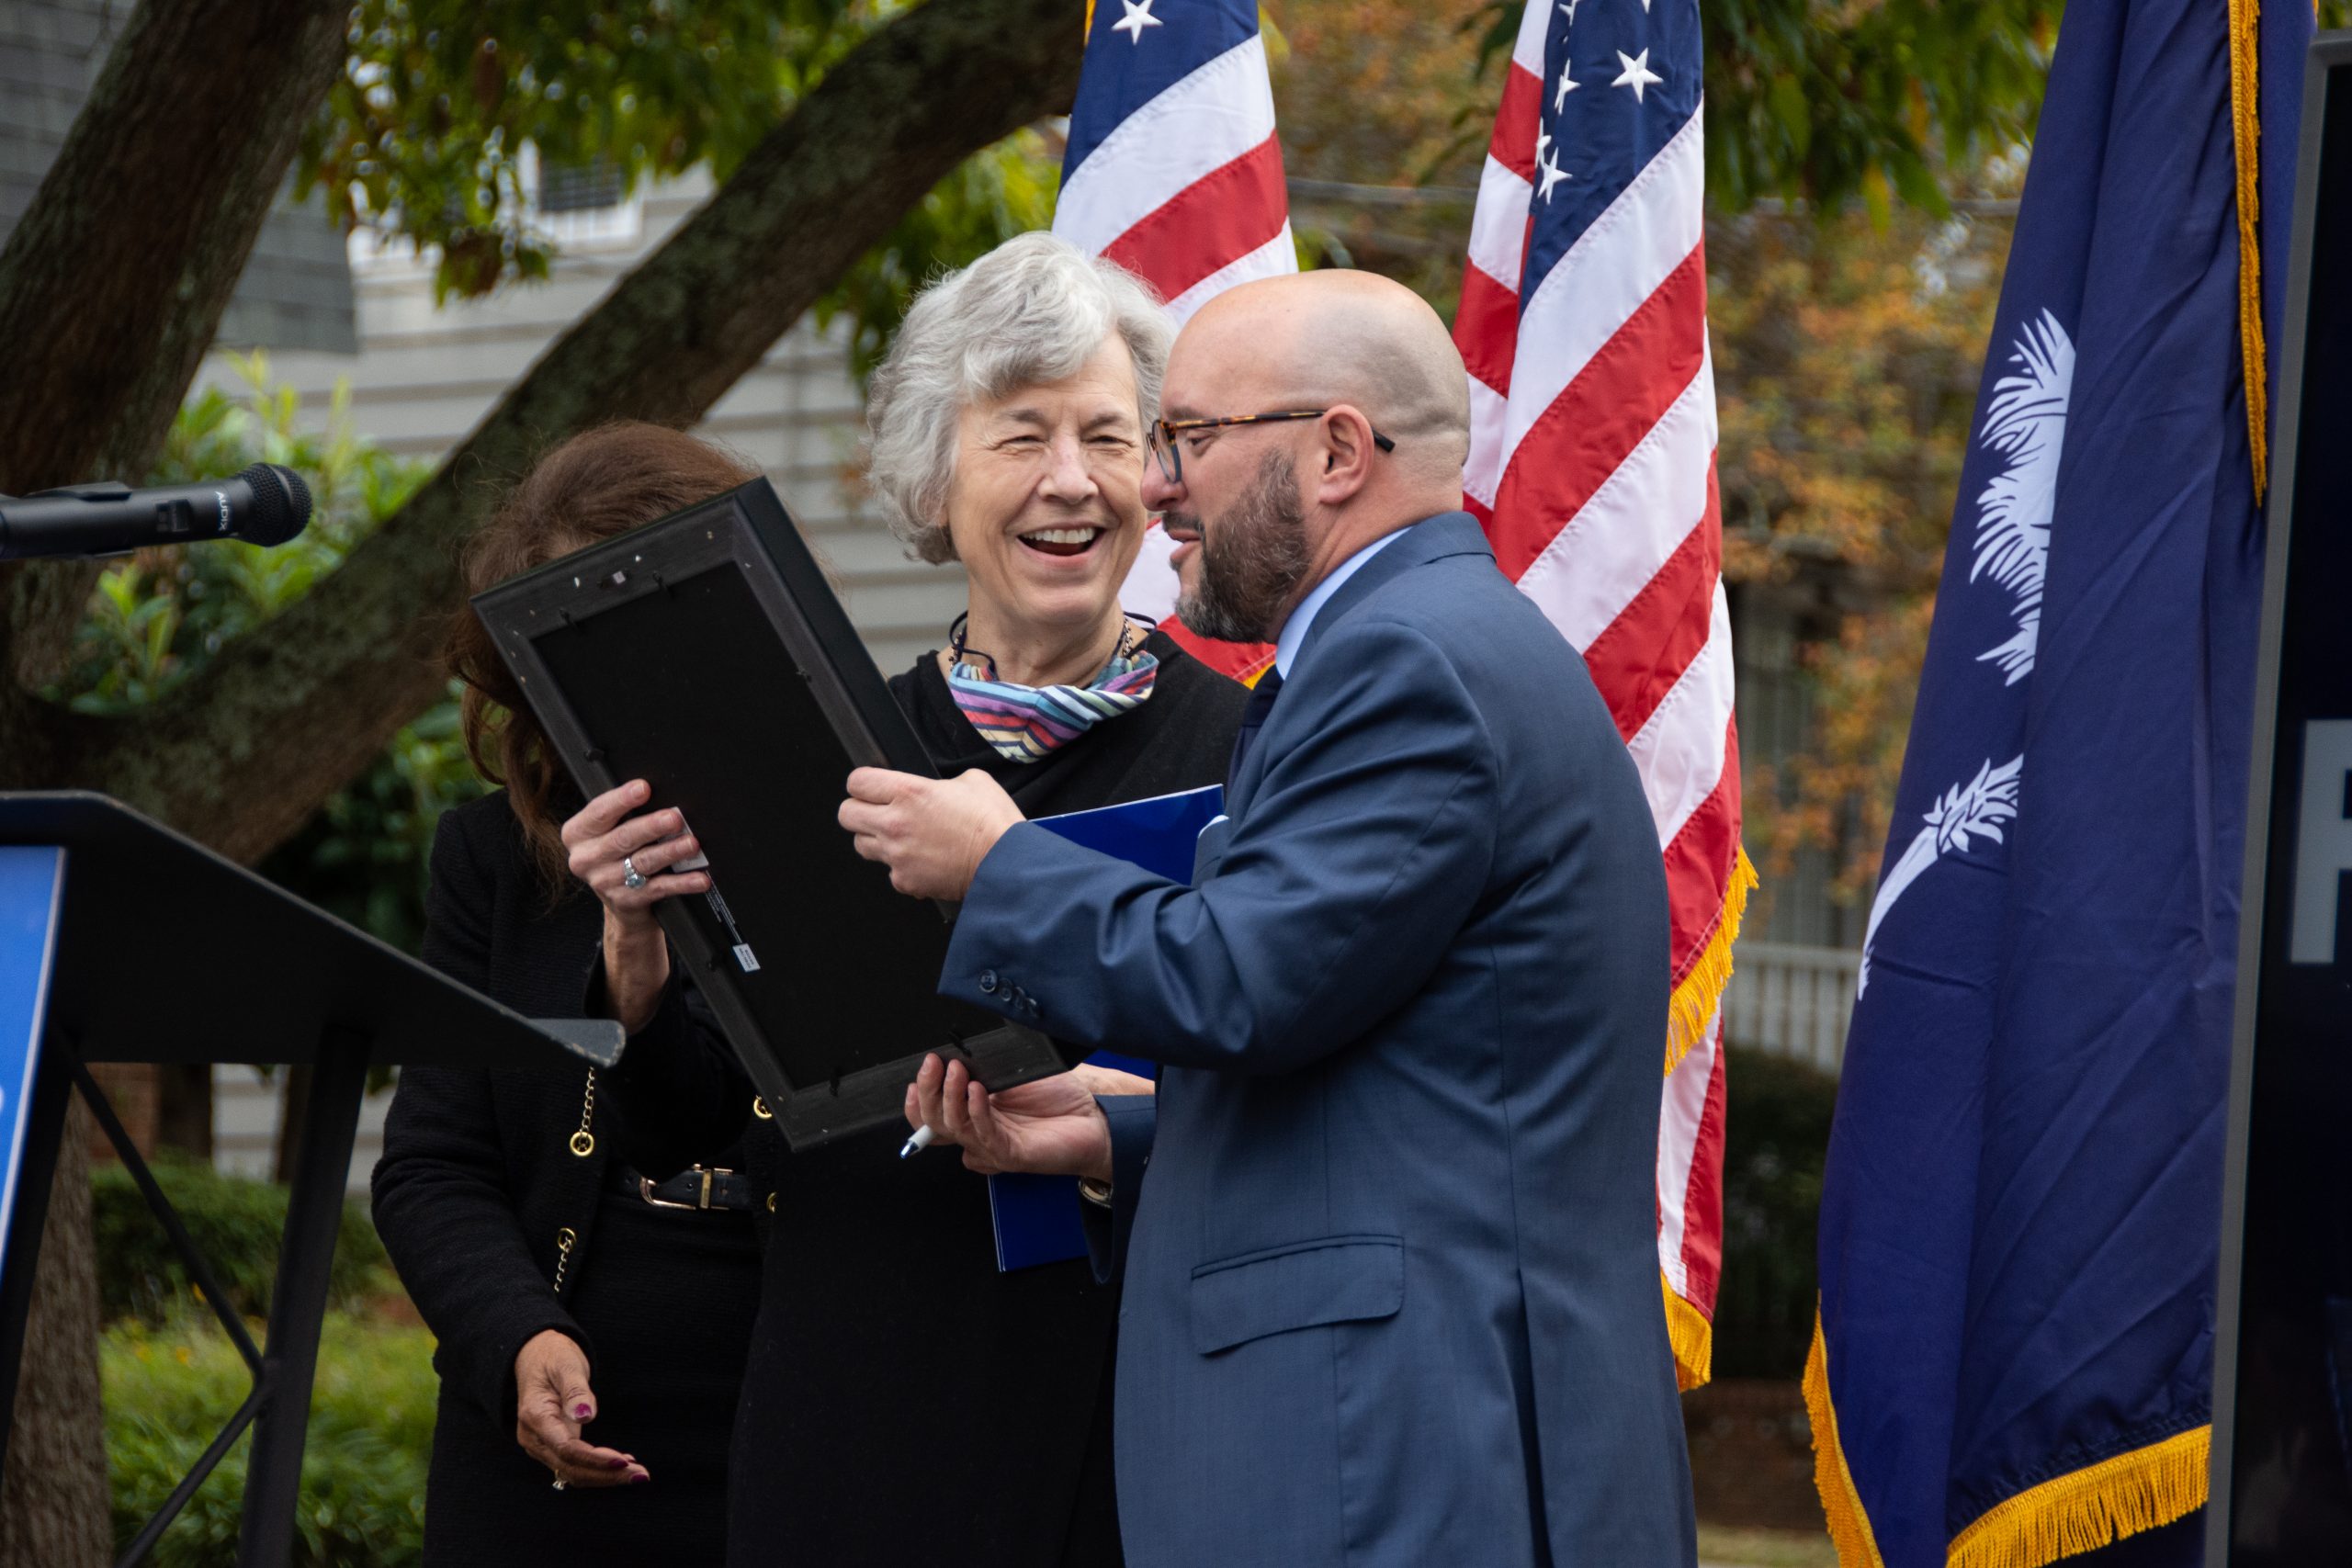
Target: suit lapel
{"x":1433,"y":539}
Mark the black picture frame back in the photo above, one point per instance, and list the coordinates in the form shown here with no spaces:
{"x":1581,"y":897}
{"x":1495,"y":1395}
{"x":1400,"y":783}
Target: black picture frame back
{"x":706,"y":654}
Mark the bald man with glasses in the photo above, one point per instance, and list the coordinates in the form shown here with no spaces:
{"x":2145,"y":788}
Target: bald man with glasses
{"x":1388,"y":1228}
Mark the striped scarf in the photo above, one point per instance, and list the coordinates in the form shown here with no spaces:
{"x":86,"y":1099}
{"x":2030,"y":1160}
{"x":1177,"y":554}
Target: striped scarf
{"x":1024,"y":723}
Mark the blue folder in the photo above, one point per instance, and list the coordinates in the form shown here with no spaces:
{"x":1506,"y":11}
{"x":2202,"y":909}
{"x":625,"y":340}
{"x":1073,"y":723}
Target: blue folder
{"x":1037,"y":1216}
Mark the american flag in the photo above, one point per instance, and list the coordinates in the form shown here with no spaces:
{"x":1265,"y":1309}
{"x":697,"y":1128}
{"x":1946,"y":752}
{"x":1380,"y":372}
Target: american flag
{"x":1173,"y":171}
{"x":1593,"y":464}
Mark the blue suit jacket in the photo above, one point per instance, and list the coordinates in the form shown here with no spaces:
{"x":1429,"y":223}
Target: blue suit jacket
{"x":1392,"y":1285}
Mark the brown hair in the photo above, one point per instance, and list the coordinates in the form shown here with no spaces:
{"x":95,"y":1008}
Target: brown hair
{"x":601,"y":482}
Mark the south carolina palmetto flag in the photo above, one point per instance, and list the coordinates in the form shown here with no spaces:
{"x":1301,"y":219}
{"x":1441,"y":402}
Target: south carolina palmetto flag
{"x":1173,"y":171}
{"x":2021,"y":1210}
{"x":1592,"y":465}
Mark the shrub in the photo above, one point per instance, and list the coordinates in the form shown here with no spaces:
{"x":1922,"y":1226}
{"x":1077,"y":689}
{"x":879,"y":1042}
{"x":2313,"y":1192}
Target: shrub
{"x":1776,"y":1135}
{"x":236,"y":1223}
{"x":168,"y":1388}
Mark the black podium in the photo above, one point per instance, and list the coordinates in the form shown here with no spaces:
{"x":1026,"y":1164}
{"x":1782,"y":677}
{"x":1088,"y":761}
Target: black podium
{"x":132,"y":943}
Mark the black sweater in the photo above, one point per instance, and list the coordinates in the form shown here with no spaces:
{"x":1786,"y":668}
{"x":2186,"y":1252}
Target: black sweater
{"x":476,"y":1191}
{"x":905,"y":1402}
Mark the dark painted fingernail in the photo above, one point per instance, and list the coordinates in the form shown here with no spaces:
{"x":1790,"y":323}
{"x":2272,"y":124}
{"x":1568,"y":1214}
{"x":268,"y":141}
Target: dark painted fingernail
{"x":583,"y":1412}
{"x":620,"y":1464}
{"x":639,"y":1480}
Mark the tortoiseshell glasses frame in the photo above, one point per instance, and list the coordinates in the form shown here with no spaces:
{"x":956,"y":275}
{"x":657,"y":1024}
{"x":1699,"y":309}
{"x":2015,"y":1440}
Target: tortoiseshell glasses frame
{"x":1170,"y":456}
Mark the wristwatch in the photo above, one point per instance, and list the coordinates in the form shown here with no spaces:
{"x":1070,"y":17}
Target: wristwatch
{"x":1094,"y":1191}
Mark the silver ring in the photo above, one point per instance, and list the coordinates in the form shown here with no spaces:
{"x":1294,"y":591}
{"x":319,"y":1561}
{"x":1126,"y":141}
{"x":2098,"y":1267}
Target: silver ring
{"x":630,"y":877}
{"x":559,"y":1483}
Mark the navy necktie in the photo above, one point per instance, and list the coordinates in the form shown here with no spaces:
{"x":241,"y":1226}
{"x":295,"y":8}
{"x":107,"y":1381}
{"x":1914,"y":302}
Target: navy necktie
{"x":1253,"y":718}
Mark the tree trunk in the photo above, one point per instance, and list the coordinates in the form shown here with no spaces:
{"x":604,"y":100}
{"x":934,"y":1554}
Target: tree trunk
{"x":242,"y":754}
{"x":53,"y":1507}
{"x":184,"y":1109}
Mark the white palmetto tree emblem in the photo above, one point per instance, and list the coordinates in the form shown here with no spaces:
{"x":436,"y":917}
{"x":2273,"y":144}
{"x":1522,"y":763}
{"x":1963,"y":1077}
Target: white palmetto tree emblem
{"x":2025,"y":423}
{"x":1976,"y":807}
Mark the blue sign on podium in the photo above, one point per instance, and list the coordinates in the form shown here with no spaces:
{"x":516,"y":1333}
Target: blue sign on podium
{"x":32,"y":883}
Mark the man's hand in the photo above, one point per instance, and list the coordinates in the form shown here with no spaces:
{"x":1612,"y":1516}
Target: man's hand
{"x":931,"y":834}
{"x":552,"y":1402}
{"x":1051,"y":1126}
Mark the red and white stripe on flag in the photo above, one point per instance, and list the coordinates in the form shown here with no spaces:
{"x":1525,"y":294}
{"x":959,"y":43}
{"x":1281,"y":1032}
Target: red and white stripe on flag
{"x":1173,"y":171}
{"x":1592,"y":465}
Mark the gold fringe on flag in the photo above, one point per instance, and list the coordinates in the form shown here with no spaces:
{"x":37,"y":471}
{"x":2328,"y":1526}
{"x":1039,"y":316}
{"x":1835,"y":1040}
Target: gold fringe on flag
{"x":2075,"y":1512}
{"x":2246,"y":117}
{"x":2089,"y":1508}
{"x":1087,"y":36}
{"x":1693,"y":1335}
{"x":1702,"y":990}
{"x":1850,"y":1525}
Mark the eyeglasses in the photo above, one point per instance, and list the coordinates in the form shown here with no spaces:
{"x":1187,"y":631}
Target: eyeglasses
{"x":1170,"y":456}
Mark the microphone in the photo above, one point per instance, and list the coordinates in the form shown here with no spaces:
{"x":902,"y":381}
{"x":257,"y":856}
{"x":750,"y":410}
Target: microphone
{"x":264,"y":505}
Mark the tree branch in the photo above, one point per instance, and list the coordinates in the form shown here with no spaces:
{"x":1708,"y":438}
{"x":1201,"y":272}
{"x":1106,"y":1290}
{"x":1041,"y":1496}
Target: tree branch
{"x":112,"y":284}
{"x":241,"y":755}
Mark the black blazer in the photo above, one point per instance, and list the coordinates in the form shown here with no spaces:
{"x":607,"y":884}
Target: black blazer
{"x":904,"y":1399}
{"x":491,"y":1217}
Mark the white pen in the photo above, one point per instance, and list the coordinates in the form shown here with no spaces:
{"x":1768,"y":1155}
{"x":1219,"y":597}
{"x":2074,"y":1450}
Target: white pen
{"x":921,"y":1140}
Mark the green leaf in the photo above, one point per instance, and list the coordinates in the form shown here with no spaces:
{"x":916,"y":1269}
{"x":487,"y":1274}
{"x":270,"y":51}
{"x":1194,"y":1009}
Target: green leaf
{"x":1789,"y":107}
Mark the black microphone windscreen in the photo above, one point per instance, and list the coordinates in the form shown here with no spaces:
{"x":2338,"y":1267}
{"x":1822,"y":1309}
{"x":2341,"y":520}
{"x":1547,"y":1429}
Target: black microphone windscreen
{"x":281,"y":504}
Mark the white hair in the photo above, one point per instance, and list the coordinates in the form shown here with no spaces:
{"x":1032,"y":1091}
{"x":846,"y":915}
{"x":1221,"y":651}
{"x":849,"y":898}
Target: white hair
{"x":1032,"y":310}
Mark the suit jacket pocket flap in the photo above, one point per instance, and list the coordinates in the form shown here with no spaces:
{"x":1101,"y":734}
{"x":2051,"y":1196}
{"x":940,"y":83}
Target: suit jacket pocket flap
{"x":1340,"y":1279}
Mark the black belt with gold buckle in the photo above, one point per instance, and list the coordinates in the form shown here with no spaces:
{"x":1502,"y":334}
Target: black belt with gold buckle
{"x":695,"y":1188}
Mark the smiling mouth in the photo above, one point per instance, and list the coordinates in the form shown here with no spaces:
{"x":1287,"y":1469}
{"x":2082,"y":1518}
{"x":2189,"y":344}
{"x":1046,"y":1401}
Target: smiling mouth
{"x":1062,"y":541}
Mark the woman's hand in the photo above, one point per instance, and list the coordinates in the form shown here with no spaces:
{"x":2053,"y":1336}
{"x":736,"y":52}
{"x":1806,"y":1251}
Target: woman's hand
{"x":604,"y":841}
{"x":552,"y":1402}
{"x":1051,"y":1125}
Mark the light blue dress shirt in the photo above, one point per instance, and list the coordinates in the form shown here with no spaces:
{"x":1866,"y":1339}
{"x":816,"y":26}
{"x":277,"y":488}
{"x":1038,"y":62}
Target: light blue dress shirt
{"x":1293,"y":631}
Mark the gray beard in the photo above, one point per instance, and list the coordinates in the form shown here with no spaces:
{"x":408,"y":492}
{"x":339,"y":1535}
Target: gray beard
{"x":1252,"y":561}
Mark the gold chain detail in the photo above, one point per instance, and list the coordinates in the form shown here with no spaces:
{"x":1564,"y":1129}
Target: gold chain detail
{"x":584,"y":1141}
{"x":565,"y":1239}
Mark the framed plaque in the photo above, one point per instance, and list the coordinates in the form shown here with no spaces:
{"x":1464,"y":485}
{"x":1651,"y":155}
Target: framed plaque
{"x":705,"y":654}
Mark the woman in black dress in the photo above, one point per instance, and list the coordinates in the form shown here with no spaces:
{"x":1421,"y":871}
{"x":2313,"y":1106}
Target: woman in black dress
{"x":1008,"y":434}
{"x":554,"y":1283}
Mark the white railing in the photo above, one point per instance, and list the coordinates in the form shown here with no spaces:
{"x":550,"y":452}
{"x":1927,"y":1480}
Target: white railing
{"x":1792,"y":1000}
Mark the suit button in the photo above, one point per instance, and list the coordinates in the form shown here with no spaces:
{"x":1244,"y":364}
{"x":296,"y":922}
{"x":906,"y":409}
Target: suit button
{"x":987,"y":982}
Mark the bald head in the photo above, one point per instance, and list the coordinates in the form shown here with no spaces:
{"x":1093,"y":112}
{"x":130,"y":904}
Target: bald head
{"x":1278,"y":506}
{"x":1313,"y":339}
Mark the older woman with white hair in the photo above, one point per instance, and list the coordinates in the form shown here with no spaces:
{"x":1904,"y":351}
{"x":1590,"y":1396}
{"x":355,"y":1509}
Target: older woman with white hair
{"x":1007,"y":431}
